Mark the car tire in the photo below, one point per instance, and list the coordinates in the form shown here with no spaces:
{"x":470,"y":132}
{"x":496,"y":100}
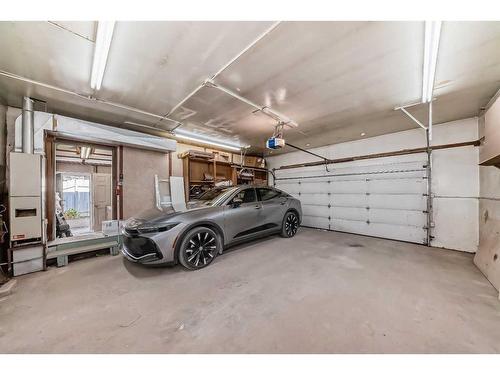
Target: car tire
{"x":199,"y":247}
{"x":290,"y":224}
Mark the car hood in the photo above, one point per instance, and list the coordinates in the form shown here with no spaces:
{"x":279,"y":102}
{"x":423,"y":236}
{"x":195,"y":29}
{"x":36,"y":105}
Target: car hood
{"x":164,"y":214}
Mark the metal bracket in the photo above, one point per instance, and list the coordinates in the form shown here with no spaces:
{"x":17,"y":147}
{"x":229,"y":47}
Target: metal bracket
{"x":282,"y":119}
{"x":402,"y":109}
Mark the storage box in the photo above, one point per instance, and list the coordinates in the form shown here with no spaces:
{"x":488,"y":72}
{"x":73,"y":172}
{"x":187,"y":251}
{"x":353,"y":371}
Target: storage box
{"x":237,"y":159}
{"x":251,"y":161}
{"x":222,"y":156}
{"x":197,"y":154}
{"x":111,"y":227}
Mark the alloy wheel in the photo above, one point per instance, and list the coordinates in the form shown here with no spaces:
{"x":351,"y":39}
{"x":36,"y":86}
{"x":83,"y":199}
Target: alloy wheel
{"x":291,"y":225}
{"x":201,"y":249}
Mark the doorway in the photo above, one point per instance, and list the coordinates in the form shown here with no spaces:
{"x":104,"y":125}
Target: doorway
{"x":83,"y":188}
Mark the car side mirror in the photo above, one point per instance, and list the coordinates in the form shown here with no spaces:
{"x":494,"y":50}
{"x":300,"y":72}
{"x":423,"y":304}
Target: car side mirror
{"x":236,"y":202}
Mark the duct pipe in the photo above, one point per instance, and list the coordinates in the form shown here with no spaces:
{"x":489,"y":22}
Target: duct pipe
{"x":28,"y":122}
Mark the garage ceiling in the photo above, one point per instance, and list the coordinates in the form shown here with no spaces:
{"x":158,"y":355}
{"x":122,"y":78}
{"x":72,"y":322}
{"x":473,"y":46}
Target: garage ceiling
{"x":335,"y":79}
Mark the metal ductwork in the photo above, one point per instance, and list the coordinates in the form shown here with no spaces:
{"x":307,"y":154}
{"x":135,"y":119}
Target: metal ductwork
{"x":28,"y":130}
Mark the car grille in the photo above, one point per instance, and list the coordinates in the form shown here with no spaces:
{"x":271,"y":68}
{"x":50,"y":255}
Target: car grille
{"x":140,"y":246}
{"x":131,"y":231}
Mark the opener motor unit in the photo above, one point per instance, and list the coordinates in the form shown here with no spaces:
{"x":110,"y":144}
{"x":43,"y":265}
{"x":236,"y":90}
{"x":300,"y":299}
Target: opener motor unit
{"x":275,"y":143}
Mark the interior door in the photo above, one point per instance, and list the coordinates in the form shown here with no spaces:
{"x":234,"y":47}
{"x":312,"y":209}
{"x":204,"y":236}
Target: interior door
{"x":101,"y":199}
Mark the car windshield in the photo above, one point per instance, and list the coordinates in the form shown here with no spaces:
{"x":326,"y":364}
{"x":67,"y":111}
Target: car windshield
{"x":209,"y":194}
{"x":216,"y":196}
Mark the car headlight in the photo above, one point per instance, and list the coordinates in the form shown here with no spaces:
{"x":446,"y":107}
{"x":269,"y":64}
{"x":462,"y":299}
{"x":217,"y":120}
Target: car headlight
{"x":152,"y":228}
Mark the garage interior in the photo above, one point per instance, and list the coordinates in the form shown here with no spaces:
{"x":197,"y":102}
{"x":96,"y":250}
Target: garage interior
{"x":391,"y":144}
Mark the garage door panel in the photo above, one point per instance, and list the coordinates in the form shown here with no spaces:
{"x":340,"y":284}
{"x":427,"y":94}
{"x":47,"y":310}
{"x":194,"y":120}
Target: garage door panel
{"x":395,"y":175}
{"x":314,"y":199}
{"x":403,"y":202}
{"x":316,"y":210}
{"x":397,"y":232}
{"x":307,"y":188}
{"x":383,"y":197}
{"x":350,"y":213}
{"x":401,"y":186}
{"x":339,"y":187}
{"x":350,"y":200}
{"x":316,"y":222}
{"x":398,"y":217}
{"x":350,"y":226}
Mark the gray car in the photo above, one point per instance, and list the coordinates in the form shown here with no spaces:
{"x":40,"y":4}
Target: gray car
{"x":194,"y":235}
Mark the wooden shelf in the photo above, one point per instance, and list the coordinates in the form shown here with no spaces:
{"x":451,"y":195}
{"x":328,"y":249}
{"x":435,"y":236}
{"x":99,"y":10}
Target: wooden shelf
{"x":201,"y":160}
{"x":209,"y":161}
{"x":245,"y":167}
{"x":196,"y":169}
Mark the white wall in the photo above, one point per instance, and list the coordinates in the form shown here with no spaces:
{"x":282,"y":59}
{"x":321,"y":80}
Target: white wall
{"x":139,"y":170}
{"x":455,"y":175}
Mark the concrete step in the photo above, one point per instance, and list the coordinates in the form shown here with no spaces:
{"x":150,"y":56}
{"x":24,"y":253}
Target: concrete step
{"x":6,"y":289}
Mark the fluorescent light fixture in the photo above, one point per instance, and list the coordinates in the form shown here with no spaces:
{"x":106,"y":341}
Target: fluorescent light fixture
{"x":184,"y":134}
{"x":85,"y":152}
{"x":101,"y":50}
{"x":431,"y":47}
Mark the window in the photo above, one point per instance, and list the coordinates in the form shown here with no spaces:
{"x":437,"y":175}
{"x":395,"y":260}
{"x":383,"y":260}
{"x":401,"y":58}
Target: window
{"x":247,"y":196}
{"x":267,"y":194}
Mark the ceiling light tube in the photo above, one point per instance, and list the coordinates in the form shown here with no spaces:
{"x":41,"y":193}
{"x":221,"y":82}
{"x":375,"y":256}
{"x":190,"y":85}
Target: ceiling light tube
{"x":194,"y":139}
{"x":101,"y":50}
{"x":184,"y":134}
{"x":85,"y":152}
{"x":431,"y":47}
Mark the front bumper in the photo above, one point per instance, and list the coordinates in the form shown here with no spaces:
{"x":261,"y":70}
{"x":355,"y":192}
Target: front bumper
{"x":151,"y":248}
{"x":140,"y":249}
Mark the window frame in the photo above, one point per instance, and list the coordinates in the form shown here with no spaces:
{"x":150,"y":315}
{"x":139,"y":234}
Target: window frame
{"x":230,"y":202}
{"x":259,"y":197}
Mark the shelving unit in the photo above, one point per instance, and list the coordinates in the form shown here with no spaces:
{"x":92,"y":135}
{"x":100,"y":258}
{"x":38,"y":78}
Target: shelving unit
{"x":205,"y":172}
{"x":259,"y":175}
{"x":197,"y":170}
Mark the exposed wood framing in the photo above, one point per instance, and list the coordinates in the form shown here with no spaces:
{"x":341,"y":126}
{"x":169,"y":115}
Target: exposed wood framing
{"x":50,"y":175}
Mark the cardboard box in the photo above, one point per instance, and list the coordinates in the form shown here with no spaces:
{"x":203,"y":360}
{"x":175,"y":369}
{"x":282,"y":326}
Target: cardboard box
{"x":222,"y":156}
{"x":250,"y":161}
{"x":237,"y":159}
{"x":196,"y":154}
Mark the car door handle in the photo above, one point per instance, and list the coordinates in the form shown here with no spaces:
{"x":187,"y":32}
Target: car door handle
{"x":258,"y":207}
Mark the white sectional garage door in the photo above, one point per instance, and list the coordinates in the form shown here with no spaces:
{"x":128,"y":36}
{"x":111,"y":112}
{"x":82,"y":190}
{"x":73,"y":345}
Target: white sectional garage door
{"x":384,"y":197}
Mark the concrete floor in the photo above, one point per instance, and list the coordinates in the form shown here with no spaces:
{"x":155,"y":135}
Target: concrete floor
{"x":320,"y":292}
